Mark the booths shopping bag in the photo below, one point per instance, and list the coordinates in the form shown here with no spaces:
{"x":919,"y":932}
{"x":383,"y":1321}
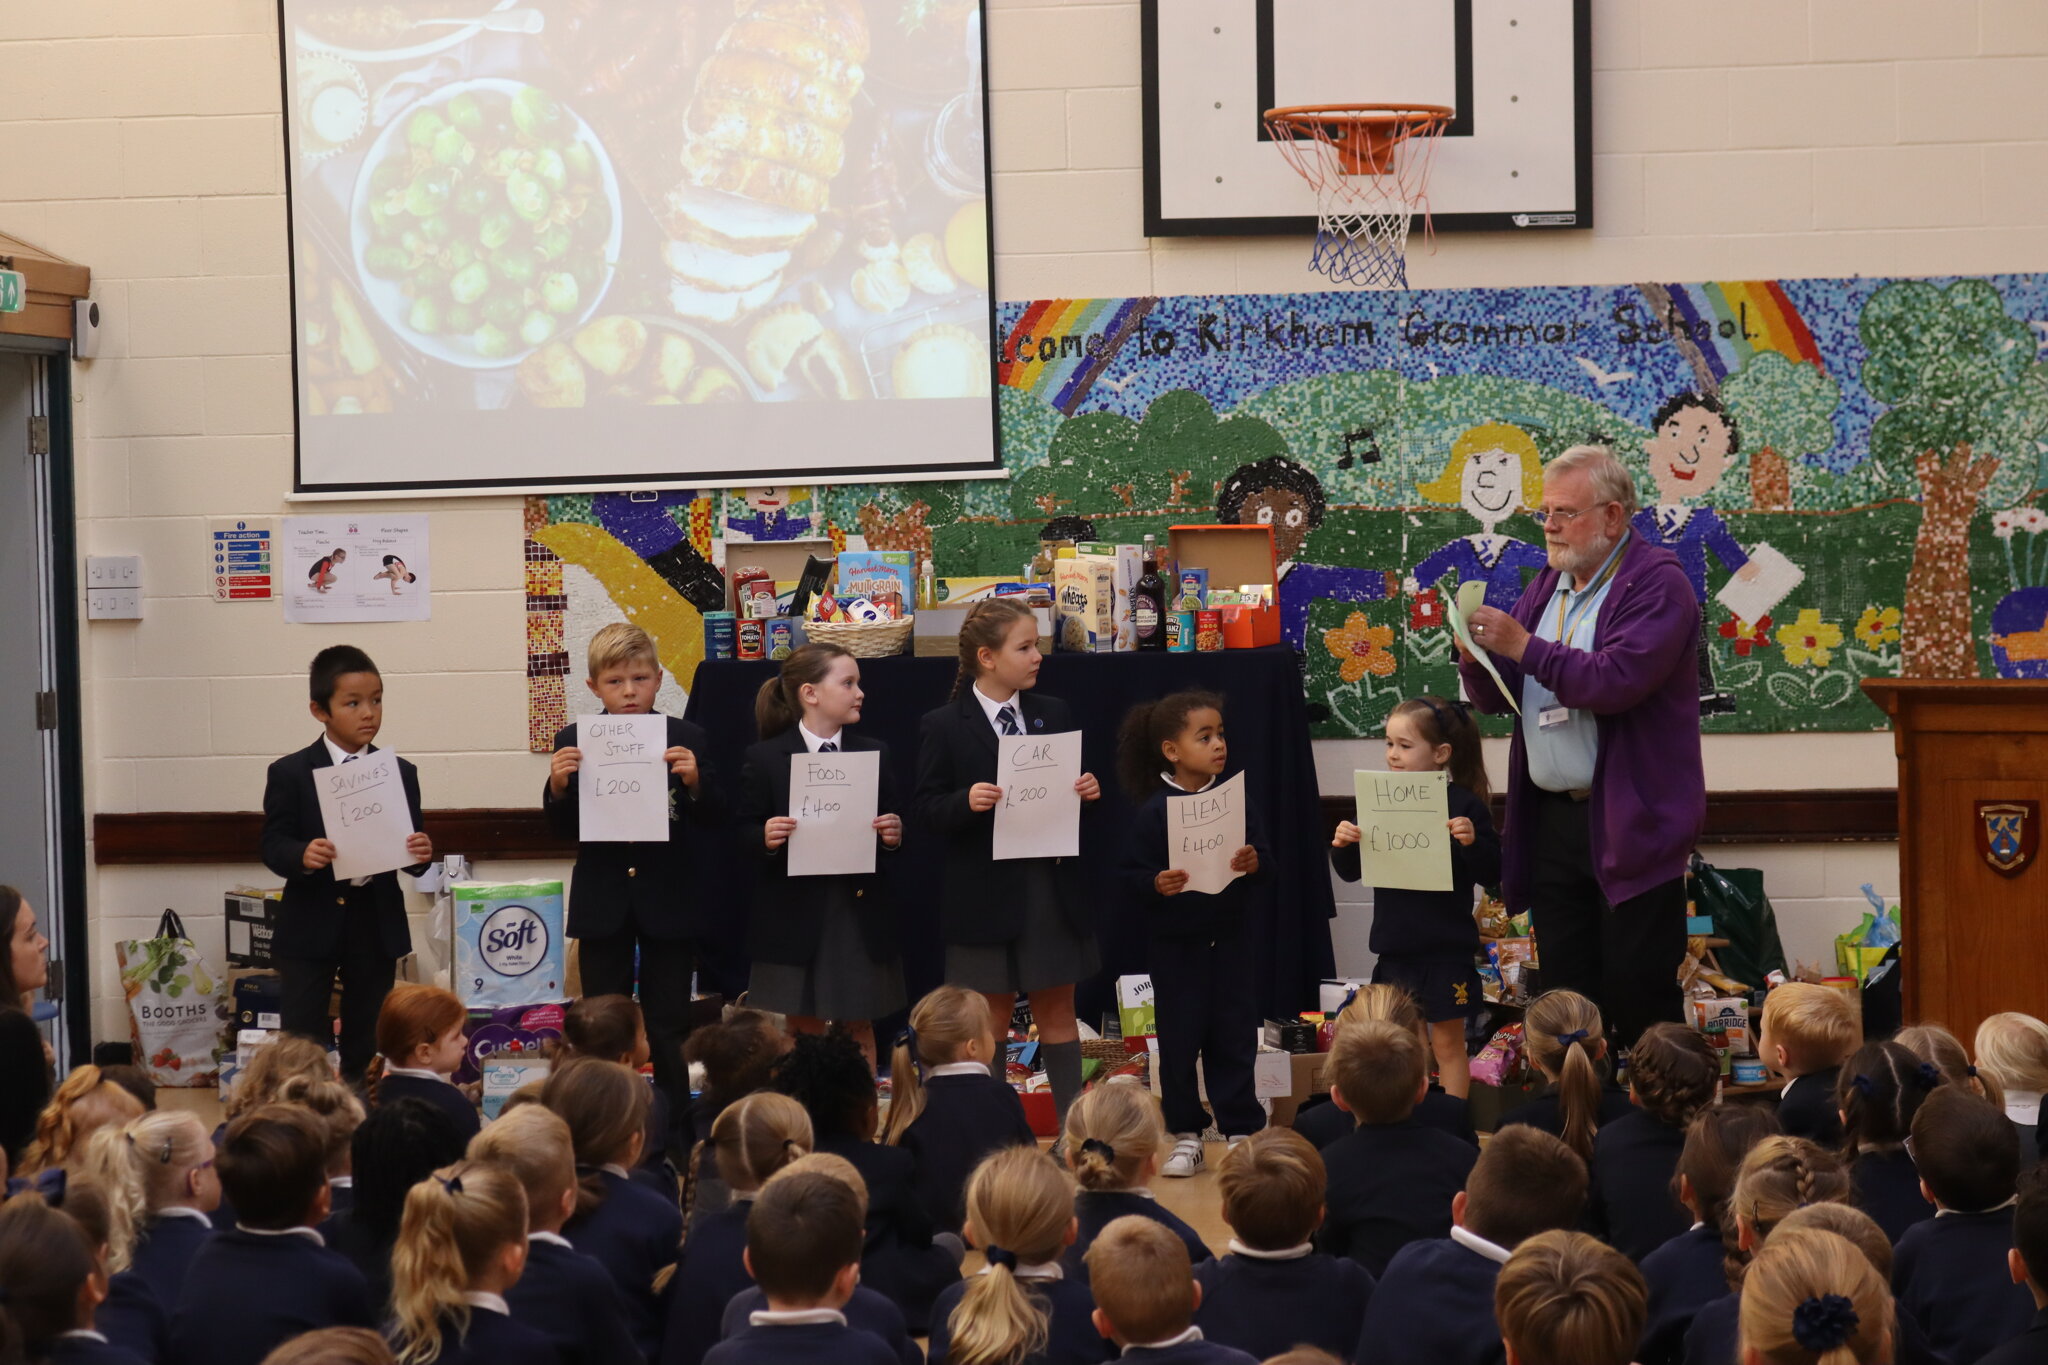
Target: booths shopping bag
{"x":177,"y":1005}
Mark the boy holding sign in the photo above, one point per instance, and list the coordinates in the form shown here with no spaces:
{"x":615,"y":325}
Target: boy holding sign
{"x":629,"y":895}
{"x":327,"y":926}
{"x":1426,"y":938}
{"x":1168,"y":753}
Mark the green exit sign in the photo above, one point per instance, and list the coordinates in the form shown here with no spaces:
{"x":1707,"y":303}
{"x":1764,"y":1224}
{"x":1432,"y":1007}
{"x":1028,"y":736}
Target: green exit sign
{"x":13,"y":291}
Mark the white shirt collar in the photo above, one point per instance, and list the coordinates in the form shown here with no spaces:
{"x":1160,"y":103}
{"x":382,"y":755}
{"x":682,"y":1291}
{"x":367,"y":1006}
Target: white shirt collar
{"x":490,"y":1303}
{"x":614,"y":1168}
{"x":1192,"y":1334}
{"x":1472,"y":1241}
{"x":1168,"y":779}
{"x":1050,"y":1270}
{"x":183,"y":1211}
{"x":989,"y":708}
{"x":418,"y":1073}
{"x":1673,"y":514}
{"x":796,"y":1317}
{"x":959,"y":1069}
{"x":553,"y":1239}
{"x":86,"y":1333}
{"x":1947,"y":1213}
{"x":812,"y":739}
{"x":2023,"y":1106}
{"x":338,"y":755}
{"x":1788,"y":1087}
{"x":1238,"y":1248}
{"x":308,"y":1233}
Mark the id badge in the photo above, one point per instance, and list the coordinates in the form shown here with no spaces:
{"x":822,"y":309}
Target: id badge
{"x":1553,"y":717}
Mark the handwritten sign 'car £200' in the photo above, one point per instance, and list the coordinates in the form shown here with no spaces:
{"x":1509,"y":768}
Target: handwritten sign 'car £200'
{"x":1039,"y":815}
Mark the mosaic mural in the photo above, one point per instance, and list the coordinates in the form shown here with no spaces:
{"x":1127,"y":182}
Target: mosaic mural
{"x":1865,"y":457}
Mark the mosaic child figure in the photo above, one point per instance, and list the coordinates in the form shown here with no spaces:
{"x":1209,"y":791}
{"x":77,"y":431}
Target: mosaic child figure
{"x":770,"y":514}
{"x":1494,"y":472}
{"x":1693,"y":441}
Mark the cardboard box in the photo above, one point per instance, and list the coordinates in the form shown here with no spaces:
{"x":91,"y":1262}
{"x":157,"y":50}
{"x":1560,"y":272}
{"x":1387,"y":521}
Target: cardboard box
{"x":1233,"y":555}
{"x":1304,"y":1078}
{"x":1289,"y":1035}
{"x":259,"y":1000}
{"x":935,"y":631}
{"x":1040,"y":1113}
{"x":1272,"y":1075}
{"x":252,"y":919}
{"x":1084,"y":604}
{"x":783,"y":560}
{"x":1130,"y":566}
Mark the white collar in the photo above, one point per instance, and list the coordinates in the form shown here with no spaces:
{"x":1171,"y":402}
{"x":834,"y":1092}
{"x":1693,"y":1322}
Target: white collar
{"x":959,"y":1069}
{"x":85,"y":1333}
{"x":2023,"y":1106}
{"x":989,"y":708}
{"x":337,"y":755}
{"x":418,"y":1073}
{"x":308,"y":1233}
{"x":341,"y":1182}
{"x":796,"y":1317}
{"x":1788,"y":1087}
{"x":1472,"y":1241}
{"x":490,"y":1303}
{"x":1238,"y":1248}
{"x":183,"y":1211}
{"x":1167,"y":778}
{"x":1675,"y":513}
{"x":1192,"y":1334}
{"x":812,"y":739}
{"x":1050,"y":1270}
{"x":614,"y":1168}
{"x":1946,"y":1213}
{"x":553,"y":1239}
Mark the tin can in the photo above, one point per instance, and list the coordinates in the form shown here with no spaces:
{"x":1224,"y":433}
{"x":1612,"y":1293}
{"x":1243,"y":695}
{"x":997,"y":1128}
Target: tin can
{"x":751,"y":639}
{"x":1749,"y":1071}
{"x":781,"y":637}
{"x":1208,"y":631}
{"x":720,"y":634}
{"x":1180,"y":632}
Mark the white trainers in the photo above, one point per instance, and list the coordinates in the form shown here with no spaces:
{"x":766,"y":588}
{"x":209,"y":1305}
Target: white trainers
{"x":1186,"y":1158}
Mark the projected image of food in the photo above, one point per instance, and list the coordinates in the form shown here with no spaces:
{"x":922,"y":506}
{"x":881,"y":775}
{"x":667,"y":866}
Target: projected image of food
{"x":534,"y":205}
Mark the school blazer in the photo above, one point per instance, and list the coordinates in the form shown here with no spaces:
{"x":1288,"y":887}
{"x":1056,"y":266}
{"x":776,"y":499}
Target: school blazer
{"x":649,"y":886}
{"x":310,"y":917}
{"x":956,"y":749}
{"x":789,"y":911}
{"x":573,"y":1301}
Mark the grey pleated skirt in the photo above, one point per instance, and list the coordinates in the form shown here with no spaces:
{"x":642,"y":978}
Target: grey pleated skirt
{"x":842,"y":982}
{"x":1048,"y":952}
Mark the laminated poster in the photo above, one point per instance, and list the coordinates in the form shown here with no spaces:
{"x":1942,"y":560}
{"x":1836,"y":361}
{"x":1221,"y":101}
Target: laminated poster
{"x":366,"y":568}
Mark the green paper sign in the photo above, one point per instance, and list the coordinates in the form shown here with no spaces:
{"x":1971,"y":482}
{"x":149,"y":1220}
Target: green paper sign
{"x":1404,"y":839}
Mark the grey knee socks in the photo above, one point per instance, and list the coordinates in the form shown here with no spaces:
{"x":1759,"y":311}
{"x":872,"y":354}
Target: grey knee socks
{"x":1063,"y":1069}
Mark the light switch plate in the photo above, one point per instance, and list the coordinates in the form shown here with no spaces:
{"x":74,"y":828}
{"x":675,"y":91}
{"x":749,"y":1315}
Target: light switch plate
{"x":113,"y":587}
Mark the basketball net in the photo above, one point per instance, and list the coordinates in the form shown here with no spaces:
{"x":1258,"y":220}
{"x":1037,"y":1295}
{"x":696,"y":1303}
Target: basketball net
{"x":1370,"y":165}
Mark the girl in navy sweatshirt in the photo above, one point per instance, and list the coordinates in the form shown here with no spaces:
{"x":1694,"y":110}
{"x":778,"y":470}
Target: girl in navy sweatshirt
{"x":47,"y":1262}
{"x":1879,"y":1090}
{"x":1425,"y":940}
{"x":420,"y":1046}
{"x":461,"y":1247}
{"x":1201,"y":953}
{"x":158,"y":1176}
{"x":1113,"y":1135}
{"x":1690,"y":1271}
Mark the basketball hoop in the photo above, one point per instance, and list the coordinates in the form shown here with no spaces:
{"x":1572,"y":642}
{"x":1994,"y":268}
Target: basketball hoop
{"x":1369,"y":185}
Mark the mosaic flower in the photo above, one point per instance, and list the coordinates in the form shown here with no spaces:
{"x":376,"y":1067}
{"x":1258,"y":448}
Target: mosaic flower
{"x":1747,"y":635}
{"x":1360,"y":648}
{"x":1878,"y":626}
{"x":1809,"y":640}
{"x":2032,"y":520}
{"x":2003,"y":524}
{"x":1427,"y":611}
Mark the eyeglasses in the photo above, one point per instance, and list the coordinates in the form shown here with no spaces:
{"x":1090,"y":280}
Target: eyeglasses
{"x":1545,"y":517}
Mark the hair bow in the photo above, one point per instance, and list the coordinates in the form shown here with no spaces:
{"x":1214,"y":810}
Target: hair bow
{"x":49,"y":1184}
{"x":1930,"y":1075}
{"x":453,"y":1184}
{"x":1577,"y":1035}
{"x":1864,"y":1086}
{"x":998,"y":1256}
{"x":1098,"y":1145}
{"x":1971,"y":1072}
{"x":1822,"y":1323}
{"x":1349,"y":996}
{"x":907,"y":1040}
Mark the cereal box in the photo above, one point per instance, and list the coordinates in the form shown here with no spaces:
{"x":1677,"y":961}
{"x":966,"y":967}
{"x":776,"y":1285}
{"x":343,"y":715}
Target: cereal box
{"x":876,"y":574}
{"x":1084,"y":589}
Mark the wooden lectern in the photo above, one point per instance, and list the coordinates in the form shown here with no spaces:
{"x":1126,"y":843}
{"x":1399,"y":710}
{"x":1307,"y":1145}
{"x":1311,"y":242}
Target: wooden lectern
{"x":1973,"y":787}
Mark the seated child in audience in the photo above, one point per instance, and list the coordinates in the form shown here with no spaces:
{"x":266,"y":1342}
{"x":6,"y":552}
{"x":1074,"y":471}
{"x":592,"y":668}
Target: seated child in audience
{"x":2028,"y":1264}
{"x":866,"y":1311}
{"x":1022,"y":1306}
{"x":1565,"y":1298}
{"x":1780,"y":1174}
{"x":334,"y":1346}
{"x":903,"y":1257}
{"x":1563,"y":1036}
{"x":55,"y":1283}
{"x":1860,"y":1230}
{"x":397,"y":1145}
{"x":945,"y":1107}
{"x":1324,"y":1123}
{"x":804,"y":1250}
{"x":629,"y":1229}
{"x":1811,"y":1296}
{"x":1114,"y":1135}
{"x":1391,"y":1182}
{"x":270,"y":1277}
{"x":277,"y":1061}
{"x":2012,"y":1053}
{"x":1672,"y":1075}
{"x":1933,"y":1043}
{"x":1951,"y":1271}
{"x":610,"y":1028}
{"x":1689,"y":1271}
{"x":461,"y":1246}
{"x":337,"y":1107}
{"x":738,"y":1055}
{"x":128,"y":1314}
{"x":420,"y":1046}
{"x":1435,"y":1302}
{"x":132,"y":1079}
{"x":753,"y":1138}
{"x":158,"y":1175}
{"x":1146,"y":1296}
{"x":1275,"y":1290}
{"x":1808,"y":1031}
{"x":1880,"y":1090}
{"x":85,"y":1103}
{"x":564,"y":1295}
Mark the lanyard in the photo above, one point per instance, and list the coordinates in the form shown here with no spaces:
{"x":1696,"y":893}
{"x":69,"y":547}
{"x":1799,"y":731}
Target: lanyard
{"x":1566,"y":597}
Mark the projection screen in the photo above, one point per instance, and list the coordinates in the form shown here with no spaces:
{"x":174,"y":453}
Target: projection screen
{"x":608,"y":244}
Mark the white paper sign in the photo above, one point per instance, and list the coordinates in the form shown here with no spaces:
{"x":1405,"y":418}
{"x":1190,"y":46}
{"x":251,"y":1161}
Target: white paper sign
{"x":1040,"y":813}
{"x":622,"y":783}
{"x":832,"y":797}
{"x":363,"y":805}
{"x":1204,"y":831}
{"x":366,"y":568}
{"x":1403,"y":839}
{"x":1776,"y":577}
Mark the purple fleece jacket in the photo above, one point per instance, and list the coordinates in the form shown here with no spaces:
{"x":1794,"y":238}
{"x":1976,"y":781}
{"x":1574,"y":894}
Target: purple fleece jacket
{"x":1641,"y":681}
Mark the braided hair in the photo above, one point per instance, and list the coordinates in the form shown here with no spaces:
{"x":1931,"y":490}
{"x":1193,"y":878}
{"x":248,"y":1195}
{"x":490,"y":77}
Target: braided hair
{"x":1673,"y":1073}
{"x":1780,"y":1174}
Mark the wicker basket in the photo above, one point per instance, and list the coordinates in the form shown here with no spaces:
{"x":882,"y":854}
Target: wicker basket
{"x":863,"y":639}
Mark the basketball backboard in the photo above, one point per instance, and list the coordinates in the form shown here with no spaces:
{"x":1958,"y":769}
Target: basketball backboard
{"x":1518,"y":72}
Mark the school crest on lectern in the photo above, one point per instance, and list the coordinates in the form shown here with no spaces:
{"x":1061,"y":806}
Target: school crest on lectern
{"x":2008,"y":833}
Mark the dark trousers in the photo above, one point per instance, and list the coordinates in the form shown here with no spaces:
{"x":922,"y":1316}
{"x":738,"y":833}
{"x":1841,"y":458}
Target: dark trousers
{"x":1623,"y":957}
{"x":307,"y":983}
{"x":665,"y":968}
{"x":1202,"y":992}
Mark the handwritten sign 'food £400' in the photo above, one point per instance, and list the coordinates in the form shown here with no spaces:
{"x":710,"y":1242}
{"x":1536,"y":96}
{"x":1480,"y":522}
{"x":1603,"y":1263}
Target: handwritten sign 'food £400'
{"x":1204,"y":831}
{"x":832,"y":798}
{"x":1040,"y":813}
{"x":1403,"y":839}
{"x":622,"y":783}
{"x":363,"y":804}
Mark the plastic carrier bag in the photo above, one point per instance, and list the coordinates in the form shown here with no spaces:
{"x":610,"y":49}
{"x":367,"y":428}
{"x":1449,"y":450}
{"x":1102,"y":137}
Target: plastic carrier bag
{"x":177,"y":1005}
{"x":1734,"y":897}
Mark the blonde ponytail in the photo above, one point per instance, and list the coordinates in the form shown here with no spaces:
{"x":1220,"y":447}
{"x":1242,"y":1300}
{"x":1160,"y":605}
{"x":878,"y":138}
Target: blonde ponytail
{"x":1020,"y":1208}
{"x":1113,"y":1132}
{"x":141,"y":1166}
{"x":1813,"y":1298}
{"x":1563,"y":1032}
{"x":455,"y":1222}
{"x":941,"y":1024}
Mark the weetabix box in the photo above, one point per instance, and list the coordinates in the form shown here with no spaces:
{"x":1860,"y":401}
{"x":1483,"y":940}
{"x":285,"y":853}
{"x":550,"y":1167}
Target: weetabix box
{"x":1084,"y":597}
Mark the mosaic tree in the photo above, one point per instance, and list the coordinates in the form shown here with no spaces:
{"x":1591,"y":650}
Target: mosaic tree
{"x":1785,"y":410}
{"x":1966,"y":404}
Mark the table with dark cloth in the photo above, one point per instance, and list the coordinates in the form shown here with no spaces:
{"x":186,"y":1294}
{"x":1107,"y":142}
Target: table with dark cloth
{"x":1267,"y":721}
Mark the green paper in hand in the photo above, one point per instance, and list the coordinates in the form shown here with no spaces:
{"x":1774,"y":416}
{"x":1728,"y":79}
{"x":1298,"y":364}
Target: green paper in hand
{"x":1459,"y":608}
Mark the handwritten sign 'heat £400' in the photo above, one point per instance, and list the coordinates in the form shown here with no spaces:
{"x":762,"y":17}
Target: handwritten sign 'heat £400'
{"x":1204,"y":831}
{"x":368,"y":821}
{"x":832,"y":798}
{"x":622,"y":783}
{"x":1040,"y":813}
{"x":1403,"y":841}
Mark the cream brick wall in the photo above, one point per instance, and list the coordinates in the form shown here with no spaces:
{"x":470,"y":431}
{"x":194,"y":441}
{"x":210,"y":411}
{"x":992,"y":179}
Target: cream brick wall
{"x":1747,"y":138}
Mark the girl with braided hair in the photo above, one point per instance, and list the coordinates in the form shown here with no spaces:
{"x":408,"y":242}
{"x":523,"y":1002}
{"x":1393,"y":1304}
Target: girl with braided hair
{"x":1672,"y":1075}
{"x":1686,"y":1273}
{"x":1815,"y":1300}
{"x":1880,"y":1089}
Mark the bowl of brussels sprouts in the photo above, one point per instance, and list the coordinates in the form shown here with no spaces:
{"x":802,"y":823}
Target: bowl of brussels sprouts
{"x":485,"y":222}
